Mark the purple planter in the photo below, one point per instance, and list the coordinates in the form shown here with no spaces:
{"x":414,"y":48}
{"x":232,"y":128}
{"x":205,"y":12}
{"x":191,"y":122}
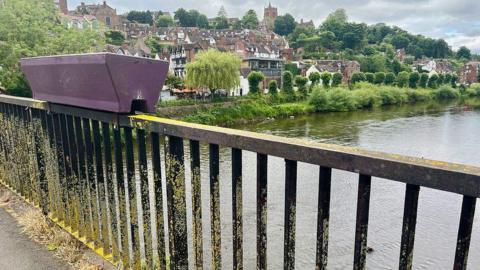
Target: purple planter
{"x":103,"y":81}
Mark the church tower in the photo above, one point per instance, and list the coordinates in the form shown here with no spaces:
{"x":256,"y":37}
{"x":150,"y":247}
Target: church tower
{"x":62,"y":6}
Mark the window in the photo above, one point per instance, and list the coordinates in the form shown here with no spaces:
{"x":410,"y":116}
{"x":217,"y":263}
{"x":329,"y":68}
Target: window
{"x":107,"y":21}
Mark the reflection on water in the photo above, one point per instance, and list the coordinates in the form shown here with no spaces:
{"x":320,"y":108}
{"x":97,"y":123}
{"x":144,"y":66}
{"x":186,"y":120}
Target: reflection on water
{"x":438,"y":131}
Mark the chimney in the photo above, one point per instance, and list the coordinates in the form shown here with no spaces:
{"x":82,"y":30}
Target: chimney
{"x":62,"y":5}
{"x":104,"y":3}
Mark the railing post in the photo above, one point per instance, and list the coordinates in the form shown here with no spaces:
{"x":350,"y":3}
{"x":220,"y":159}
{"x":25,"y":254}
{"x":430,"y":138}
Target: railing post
{"x":262,"y":170}
{"x":177,"y":211}
{"x":196,"y":203}
{"x":40,"y":157}
{"x":237,"y":214}
{"x":408,"y":228}
{"x":290,"y":214}
{"x":464,"y":232}
{"x":215,"y":206}
{"x":361,"y":228}
{"x":323,"y":217}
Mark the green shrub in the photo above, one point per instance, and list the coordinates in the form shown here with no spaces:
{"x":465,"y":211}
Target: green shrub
{"x":370,"y":77}
{"x":446,"y":92}
{"x":254,"y":79}
{"x":366,"y":98}
{"x":441,"y":79}
{"x":454,"y":80}
{"x":358,"y":77}
{"x":337,"y":79}
{"x":402,"y":79}
{"x":418,"y":95}
{"x":432,"y":82}
{"x":326,"y":79}
{"x":448,"y":79}
{"x":273,"y":87}
{"x":390,"y":78}
{"x":288,"y":84}
{"x":413,"y":79}
{"x":340,"y":100}
{"x":318,"y":99}
{"x":423,"y":80}
{"x":392,"y":95}
{"x":301,"y":83}
{"x":314,"y":78}
{"x":379,"y":77}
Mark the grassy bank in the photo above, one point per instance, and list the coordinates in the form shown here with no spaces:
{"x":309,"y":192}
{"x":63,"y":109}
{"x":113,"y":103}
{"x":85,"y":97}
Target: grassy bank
{"x":362,"y":96}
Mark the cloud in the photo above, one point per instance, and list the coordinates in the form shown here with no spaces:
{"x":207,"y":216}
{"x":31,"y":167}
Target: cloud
{"x":456,"y":21}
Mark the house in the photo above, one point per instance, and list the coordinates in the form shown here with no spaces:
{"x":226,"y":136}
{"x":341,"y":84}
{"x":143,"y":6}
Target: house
{"x":79,"y":21}
{"x":469,"y":73}
{"x":308,"y":24}
{"x":346,"y":68}
{"x":181,"y":55}
{"x":103,"y":12}
{"x":440,"y":66}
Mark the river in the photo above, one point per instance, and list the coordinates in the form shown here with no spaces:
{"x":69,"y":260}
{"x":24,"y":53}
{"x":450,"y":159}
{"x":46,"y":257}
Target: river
{"x":446,"y":132}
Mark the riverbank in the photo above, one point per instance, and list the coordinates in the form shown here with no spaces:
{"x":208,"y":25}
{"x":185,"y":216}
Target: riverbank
{"x":362,"y":96}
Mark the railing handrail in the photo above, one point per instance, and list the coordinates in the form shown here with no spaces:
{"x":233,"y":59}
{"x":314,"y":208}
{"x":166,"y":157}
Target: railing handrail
{"x":451,"y":177}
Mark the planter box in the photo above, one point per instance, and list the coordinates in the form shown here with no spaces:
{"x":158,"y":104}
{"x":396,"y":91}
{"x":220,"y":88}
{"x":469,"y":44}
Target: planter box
{"x":103,"y":81}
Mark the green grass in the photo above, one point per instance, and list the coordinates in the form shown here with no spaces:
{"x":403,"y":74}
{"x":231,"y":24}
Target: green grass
{"x":362,"y":96}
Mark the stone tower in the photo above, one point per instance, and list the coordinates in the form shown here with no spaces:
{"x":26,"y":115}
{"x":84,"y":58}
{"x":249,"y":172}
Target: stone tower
{"x":62,"y":6}
{"x":270,"y":12}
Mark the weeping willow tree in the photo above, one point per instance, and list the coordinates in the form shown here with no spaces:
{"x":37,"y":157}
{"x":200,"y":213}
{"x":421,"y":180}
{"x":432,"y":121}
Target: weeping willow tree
{"x":214,"y":70}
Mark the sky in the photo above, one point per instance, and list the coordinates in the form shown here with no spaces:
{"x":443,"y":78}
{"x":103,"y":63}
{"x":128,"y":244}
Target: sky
{"x":456,"y":21}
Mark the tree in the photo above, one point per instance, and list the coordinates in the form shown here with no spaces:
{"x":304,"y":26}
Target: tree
{"x":448,"y":79}
{"x":32,"y":28}
{"x":358,"y":77}
{"x":396,"y":66}
{"x":114,"y":37}
{"x":370,"y":77}
{"x":222,"y":23}
{"x":254,"y":79}
{"x":337,"y":79}
{"x":214,"y":70}
{"x":379,"y":77}
{"x":402,"y":79}
{"x":140,"y":17}
{"x":183,"y":18}
{"x":314,"y":77}
{"x":284,"y":25}
{"x":454,"y":81}
{"x":202,"y":21}
{"x":288,"y":83}
{"x":250,"y":20}
{"x":173,"y":82}
{"x":464,"y":53}
{"x":390,"y":78}
{"x":273,"y":88}
{"x":301,"y":83}
{"x":339,"y":15}
{"x":326,"y":78}
{"x":164,"y":21}
{"x":222,"y":13}
{"x":400,"y":41}
{"x":433,"y":81}
{"x":413,"y":79}
{"x":441,"y":79}
{"x":293,"y":68}
{"x":423,"y":80}
{"x":374,"y":63}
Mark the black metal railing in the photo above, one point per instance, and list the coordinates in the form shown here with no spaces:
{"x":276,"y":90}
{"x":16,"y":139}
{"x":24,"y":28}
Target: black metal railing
{"x":93,"y":173}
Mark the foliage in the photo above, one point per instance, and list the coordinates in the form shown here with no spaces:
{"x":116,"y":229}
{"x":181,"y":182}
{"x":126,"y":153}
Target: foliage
{"x":214,"y":70}
{"x":423,"y":80}
{"x":446,"y":92}
{"x":191,"y":18}
{"x":173,"y":81}
{"x":293,"y":68}
{"x":441,"y":79}
{"x":314,"y":77}
{"x":390,"y":78}
{"x":326,"y":79}
{"x":447,"y":79}
{"x":396,"y":66}
{"x":32,"y":28}
{"x":284,"y":25}
{"x":114,"y":37}
{"x":358,"y":77}
{"x":379,"y":78}
{"x":273,"y":87}
{"x":402,"y":79}
{"x":301,"y":83}
{"x":373,"y":64}
{"x":464,"y":53}
{"x":433,"y":81}
{"x":337,"y":78}
{"x":250,"y":20}
{"x":165,"y":21}
{"x":413,"y":79}
{"x":454,"y":81}
{"x":288,"y":84}
{"x":254,"y":79}
{"x":370,"y":77}
{"x":140,"y":17}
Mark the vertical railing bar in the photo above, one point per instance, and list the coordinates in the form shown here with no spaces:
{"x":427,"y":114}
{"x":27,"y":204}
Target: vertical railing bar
{"x":143,"y":203}
{"x":408,"y":227}
{"x":159,"y":225}
{"x":131,"y":208}
{"x":75,"y":188}
{"x":196,"y":203}
{"x":63,"y":215}
{"x":40,"y":157}
{"x":464,"y":232}
{"x":100,"y":187}
{"x":290,"y":214}
{"x":361,"y":228}
{"x":262,"y":170}
{"x":84,"y":229}
{"x":109,"y":191}
{"x":68,"y":171}
{"x":95,"y":222}
{"x":323,"y":217}
{"x":177,"y":210}
{"x":120,"y":199}
{"x":237,"y":213}
{"x":215,"y":206}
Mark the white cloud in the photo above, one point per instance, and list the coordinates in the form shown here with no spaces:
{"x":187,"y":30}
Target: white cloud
{"x":456,"y":21}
